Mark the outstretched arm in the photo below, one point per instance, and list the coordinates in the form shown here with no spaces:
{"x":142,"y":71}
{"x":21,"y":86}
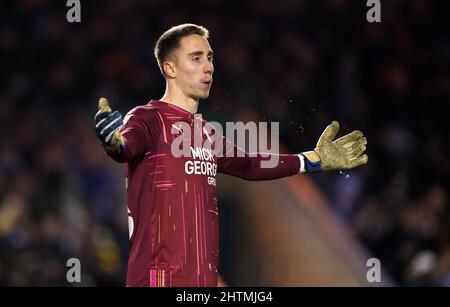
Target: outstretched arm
{"x":343,"y":153}
{"x":235,"y":161}
{"x":250,"y":167}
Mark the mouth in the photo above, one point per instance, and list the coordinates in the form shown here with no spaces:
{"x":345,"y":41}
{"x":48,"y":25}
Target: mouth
{"x":207,"y":82}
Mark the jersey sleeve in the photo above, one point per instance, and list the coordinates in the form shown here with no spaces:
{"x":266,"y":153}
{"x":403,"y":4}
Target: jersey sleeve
{"x":136,"y":135}
{"x":237,"y":162}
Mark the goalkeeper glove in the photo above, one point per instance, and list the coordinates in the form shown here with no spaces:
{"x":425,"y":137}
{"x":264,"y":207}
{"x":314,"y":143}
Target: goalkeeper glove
{"x":343,"y":153}
{"x":107,"y":125}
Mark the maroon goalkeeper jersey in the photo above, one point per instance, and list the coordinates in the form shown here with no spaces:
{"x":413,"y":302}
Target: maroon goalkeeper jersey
{"x":172,"y":204}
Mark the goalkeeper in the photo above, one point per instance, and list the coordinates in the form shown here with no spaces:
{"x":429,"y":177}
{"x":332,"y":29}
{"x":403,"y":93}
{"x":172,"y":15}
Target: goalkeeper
{"x":172,"y":204}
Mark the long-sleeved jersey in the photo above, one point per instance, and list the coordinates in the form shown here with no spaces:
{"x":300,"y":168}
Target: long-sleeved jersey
{"x":172,"y":204}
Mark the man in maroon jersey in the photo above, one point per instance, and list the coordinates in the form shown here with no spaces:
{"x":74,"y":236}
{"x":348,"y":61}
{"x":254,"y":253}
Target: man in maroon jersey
{"x":172,"y":204}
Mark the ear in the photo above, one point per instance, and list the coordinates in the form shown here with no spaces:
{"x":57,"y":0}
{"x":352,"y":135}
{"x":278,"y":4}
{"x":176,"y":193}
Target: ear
{"x":170,"y":69}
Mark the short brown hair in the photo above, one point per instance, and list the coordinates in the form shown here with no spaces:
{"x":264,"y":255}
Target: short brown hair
{"x":170,"y":40}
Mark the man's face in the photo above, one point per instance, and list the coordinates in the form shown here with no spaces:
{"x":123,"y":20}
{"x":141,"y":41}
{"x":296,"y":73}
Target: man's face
{"x":194,"y":67}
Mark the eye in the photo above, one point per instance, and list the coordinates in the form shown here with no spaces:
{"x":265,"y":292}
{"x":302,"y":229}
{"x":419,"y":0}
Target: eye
{"x":210,"y":58}
{"x":196,"y":59}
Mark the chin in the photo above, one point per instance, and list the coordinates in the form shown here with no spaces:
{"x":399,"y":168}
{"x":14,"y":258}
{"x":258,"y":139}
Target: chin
{"x":204,"y":96}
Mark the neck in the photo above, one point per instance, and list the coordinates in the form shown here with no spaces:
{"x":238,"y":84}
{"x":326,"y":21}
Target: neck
{"x":178,"y":98}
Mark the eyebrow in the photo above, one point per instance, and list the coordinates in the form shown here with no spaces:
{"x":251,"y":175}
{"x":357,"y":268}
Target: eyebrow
{"x":210,"y":53}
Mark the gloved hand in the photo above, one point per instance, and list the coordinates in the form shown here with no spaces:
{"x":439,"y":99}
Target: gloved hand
{"x":107,"y":127}
{"x":343,"y":153}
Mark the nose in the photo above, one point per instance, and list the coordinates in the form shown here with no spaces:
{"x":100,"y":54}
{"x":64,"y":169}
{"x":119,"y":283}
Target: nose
{"x":208,"y":68}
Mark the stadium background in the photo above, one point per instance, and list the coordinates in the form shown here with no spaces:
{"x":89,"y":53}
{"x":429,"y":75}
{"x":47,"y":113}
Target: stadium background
{"x":301,"y":63}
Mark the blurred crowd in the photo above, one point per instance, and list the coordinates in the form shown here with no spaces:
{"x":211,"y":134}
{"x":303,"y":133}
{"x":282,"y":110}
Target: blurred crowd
{"x":301,"y":63}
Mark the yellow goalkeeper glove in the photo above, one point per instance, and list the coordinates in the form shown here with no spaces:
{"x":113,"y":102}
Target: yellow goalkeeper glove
{"x":344,"y":153}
